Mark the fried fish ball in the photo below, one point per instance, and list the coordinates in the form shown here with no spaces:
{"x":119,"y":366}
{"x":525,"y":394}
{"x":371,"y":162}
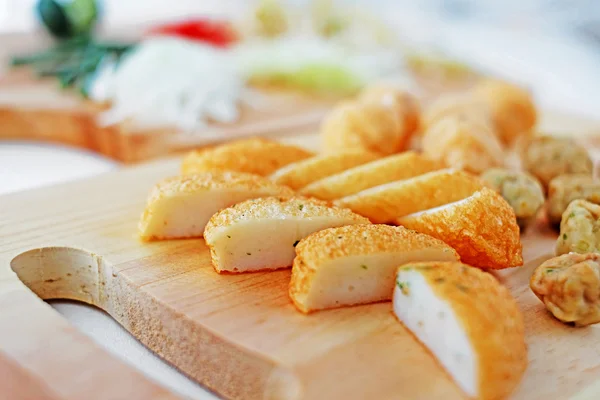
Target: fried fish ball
{"x":547,"y":157}
{"x":579,"y":229}
{"x":463,"y":143}
{"x":405,"y":104}
{"x":569,"y":287}
{"x":463,"y":105}
{"x":370,"y":126}
{"x":512,"y":109}
{"x":522,"y":191}
{"x":566,"y":188}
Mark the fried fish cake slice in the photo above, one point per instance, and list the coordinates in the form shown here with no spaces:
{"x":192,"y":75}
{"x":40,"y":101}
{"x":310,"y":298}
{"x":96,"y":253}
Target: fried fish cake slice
{"x":482,"y":228}
{"x":388,"y":169}
{"x":255,"y":156}
{"x":468,"y":321}
{"x":261,"y":234}
{"x":304,"y":172}
{"x":180,"y":207}
{"x":386,"y":203}
{"x":357,"y":264}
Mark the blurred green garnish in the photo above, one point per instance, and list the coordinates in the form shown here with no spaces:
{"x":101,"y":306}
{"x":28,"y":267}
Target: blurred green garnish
{"x":68,"y":18}
{"x":73,"y":62}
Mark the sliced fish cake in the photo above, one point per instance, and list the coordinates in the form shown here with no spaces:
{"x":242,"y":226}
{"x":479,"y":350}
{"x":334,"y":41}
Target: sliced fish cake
{"x":357,"y":264}
{"x":180,"y":207}
{"x":255,"y":156}
{"x":468,"y":321}
{"x":482,"y":228}
{"x":384,"y":170}
{"x":385,"y":203}
{"x":262,"y":234}
{"x":304,"y":172}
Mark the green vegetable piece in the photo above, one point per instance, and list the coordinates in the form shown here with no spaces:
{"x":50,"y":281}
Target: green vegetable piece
{"x":68,"y":18}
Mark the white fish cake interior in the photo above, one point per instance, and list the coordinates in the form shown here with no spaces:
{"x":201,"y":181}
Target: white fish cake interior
{"x":262,"y":234}
{"x":427,"y":316}
{"x":357,"y":264}
{"x":180,"y":207}
{"x":468,"y":320}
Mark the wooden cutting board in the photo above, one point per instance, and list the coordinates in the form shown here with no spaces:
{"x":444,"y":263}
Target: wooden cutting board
{"x":37,"y":109}
{"x":32,"y":109}
{"x":238,"y":335}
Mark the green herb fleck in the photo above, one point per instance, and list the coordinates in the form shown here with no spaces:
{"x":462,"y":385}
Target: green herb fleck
{"x":440,"y":280}
{"x":300,"y":207}
{"x":404,"y":287}
{"x":296,"y":243}
{"x":249,"y":254}
{"x":363,"y":266}
{"x":565,"y":236}
{"x":571,"y":215}
{"x":548,"y":270}
{"x":462,"y":287}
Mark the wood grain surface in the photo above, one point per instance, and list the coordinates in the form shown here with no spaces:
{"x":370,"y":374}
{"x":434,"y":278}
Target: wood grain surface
{"x":238,"y":335}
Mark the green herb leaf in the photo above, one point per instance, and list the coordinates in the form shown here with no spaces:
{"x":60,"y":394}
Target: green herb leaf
{"x":565,"y":236}
{"x":300,"y":207}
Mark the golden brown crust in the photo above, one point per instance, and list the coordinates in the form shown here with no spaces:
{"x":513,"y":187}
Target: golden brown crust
{"x":364,"y":126}
{"x":205,"y":181}
{"x":491,"y":319}
{"x":482,"y":228}
{"x":386,"y":203}
{"x":352,"y":240}
{"x":465,"y":143}
{"x":355,"y":240}
{"x":278,"y":207}
{"x":255,"y":155}
{"x":512,"y":109}
{"x":301,"y":173}
{"x":384,"y":170}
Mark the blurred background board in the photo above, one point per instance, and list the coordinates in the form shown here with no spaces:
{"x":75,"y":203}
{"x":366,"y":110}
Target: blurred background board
{"x":31,"y":109}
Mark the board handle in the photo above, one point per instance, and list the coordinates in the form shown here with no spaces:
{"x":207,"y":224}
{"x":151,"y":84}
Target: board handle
{"x":41,"y":355}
